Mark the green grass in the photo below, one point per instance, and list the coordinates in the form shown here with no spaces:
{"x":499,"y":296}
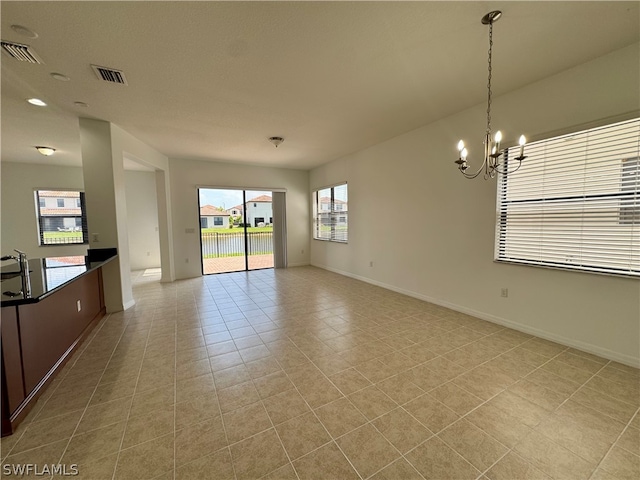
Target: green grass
{"x":236,"y":230}
{"x":63,"y":235}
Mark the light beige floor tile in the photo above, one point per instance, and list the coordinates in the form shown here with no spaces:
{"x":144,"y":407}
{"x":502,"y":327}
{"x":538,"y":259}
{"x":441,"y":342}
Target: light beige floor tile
{"x":150,"y":400}
{"x":401,"y":429}
{"x":199,"y":440}
{"x":473,"y":444}
{"x":196,"y":410}
{"x":621,"y":463}
{"x":95,"y":444}
{"x":604,"y":403}
{"x":272,"y":384}
{"x":367,"y":450}
{"x":237,"y":396}
{"x":219,"y":462}
{"x":202,"y":385}
{"x":398,"y":470}
{"x":231,"y":376}
{"x":148,"y":426}
{"x":505,"y":428}
{"x":431,"y":413}
{"x":512,"y":467}
{"x":590,"y":419}
{"x":435,"y":460}
{"x":529,"y":413}
{"x":349,"y":381}
{"x":586,"y":362}
{"x":372,"y":402}
{"x":575,"y":437}
{"x":630,"y":440}
{"x":340,"y":417}
{"x":552,"y":459}
{"x":538,"y":394}
{"x":45,"y":455}
{"x":286,"y":472}
{"x":456,"y":398}
{"x":105,"y":414}
{"x":399,"y":389}
{"x":302,"y":434}
{"x":285,"y":406}
{"x":43,"y":432}
{"x":97,"y":468}
{"x":327,"y":462}
{"x":146,"y":460}
{"x":627,"y":392}
{"x":257,"y":456}
{"x":246,"y":421}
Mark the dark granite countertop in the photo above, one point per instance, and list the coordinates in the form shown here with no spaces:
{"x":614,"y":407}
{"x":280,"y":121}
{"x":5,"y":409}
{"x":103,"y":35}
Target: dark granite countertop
{"x":46,"y":275}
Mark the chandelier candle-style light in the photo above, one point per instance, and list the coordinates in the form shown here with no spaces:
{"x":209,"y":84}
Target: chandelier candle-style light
{"x":495,"y":160}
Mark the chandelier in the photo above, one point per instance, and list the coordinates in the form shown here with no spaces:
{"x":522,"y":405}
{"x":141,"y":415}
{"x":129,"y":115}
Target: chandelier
{"x":495,"y":161}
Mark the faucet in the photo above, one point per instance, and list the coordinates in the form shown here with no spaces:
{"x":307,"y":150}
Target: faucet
{"x":24,"y":273}
{"x":21,"y":259}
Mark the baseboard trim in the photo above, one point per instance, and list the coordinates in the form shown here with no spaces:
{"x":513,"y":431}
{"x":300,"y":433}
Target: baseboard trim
{"x":569,"y":342}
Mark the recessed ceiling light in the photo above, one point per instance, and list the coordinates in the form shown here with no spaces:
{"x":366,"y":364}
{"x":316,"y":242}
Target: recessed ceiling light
{"x":60,"y":76}
{"x":24,"y":31}
{"x":46,"y":151}
{"x":81,"y":104}
{"x":37,"y":102}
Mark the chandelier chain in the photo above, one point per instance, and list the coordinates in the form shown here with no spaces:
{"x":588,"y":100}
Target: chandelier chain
{"x":489,"y":78}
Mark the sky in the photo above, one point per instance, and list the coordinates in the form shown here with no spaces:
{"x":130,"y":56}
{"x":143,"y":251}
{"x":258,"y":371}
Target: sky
{"x":226,"y":198}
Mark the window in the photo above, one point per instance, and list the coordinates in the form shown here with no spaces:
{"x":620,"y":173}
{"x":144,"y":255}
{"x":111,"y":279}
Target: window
{"x":217,"y":220}
{"x":330,"y":213}
{"x":575,"y":202}
{"x":60,"y":225}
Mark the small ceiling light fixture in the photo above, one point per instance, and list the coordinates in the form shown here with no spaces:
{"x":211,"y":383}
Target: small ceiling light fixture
{"x":46,"y":151}
{"x":492,"y":163}
{"x":81,"y":104}
{"x":276,"y":141}
{"x":37,"y":102}
{"x":60,"y":76}
{"x":19,"y":29}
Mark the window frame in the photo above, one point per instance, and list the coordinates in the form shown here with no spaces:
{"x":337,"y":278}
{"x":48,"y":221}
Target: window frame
{"x":40,"y":219}
{"x":332,"y":212}
{"x":608,"y":184}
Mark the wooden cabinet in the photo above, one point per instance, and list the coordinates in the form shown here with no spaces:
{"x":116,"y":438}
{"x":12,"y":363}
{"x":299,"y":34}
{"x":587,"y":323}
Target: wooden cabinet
{"x":38,"y":339}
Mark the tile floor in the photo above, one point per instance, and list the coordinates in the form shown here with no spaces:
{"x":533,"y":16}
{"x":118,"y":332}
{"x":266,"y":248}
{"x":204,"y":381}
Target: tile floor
{"x":305,"y":374}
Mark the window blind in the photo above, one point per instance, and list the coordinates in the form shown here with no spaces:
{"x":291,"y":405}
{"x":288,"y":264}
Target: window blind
{"x":331,"y":214}
{"x":575,"y":202}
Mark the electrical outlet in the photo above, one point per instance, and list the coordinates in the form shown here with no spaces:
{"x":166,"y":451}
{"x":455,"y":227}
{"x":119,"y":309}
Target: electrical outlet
{"x":96,"y":237}
{"x":504,"y":292}
{"x":302,"y":251}
{"x":186,"y":260}
{"x":148,"y":254}
{"x":189,"y":230}
{"x":371,"y":264}
{"x":79,"y":305}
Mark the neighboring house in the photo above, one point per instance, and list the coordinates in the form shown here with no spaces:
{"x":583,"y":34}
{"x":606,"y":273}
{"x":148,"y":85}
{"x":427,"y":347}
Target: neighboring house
{"x":339,"y":207}
{"x":60,"y":211}
{"x":213,"y":217}
{"x":259,"y":211}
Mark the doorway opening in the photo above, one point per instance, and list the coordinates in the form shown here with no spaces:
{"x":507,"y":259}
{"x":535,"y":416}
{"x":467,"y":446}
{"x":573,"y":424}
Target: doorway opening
{"x":236,"y":230}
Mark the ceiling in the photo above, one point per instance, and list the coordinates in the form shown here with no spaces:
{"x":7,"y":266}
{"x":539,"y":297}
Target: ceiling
{"x":213,"y":80}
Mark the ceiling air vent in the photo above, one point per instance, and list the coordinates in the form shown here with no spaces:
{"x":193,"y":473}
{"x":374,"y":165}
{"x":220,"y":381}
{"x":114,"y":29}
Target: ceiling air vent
{"x":109,"y":75}
{"x":21,"y":52}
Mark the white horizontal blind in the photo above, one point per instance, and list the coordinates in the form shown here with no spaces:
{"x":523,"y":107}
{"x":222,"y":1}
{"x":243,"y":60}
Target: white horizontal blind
{"x":575,"y":202}
{"x":330,"y":211}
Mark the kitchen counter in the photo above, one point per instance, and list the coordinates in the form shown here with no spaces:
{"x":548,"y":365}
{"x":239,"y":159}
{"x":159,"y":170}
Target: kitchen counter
{"x":47,"y":275}
{"x":42,"y":328}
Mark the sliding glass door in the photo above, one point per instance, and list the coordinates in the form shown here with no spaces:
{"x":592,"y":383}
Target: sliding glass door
{"x":236,"y":230}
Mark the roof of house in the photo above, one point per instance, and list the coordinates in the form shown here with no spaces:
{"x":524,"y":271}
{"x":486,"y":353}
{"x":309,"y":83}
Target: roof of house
{"x":60,"y":212}
{"x":58,"y":194}
{"x":328,"y":200}
{"x":261,"y":198}
{"x":209,"y":210}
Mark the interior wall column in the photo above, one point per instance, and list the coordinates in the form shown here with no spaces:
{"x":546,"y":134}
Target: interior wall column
{"x":105,"y":200}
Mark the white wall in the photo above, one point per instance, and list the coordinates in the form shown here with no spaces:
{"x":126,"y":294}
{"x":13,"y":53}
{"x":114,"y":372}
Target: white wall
{"x":18,"y":222}
{"x":142,"y":219}
{"x":187,"y":175}
{"x":442,"y":248}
